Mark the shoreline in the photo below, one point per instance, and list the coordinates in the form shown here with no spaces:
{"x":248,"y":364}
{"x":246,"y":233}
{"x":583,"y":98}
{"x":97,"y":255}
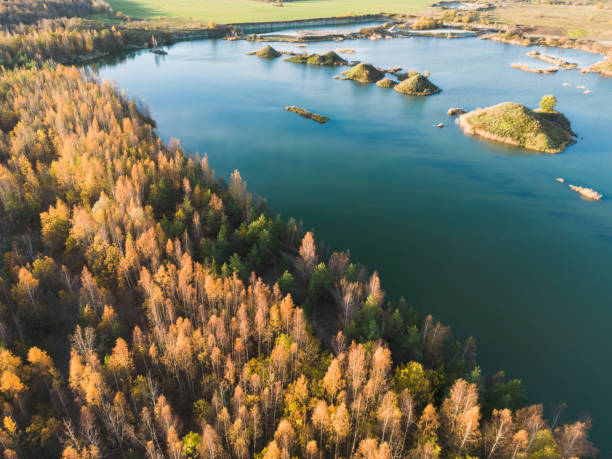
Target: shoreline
{"x":483,"y":31}
{"x":394,"y":26}
{"x":551,"y":41}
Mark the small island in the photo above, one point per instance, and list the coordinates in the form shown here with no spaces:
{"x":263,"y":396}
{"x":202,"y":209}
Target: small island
{"x":526,"y":68}
{"x":543,"y":129}
{"x":306,"y":114}
{"x":587,"y":193}
{"x":417,"y":85}
{"x":330,"y":58}
{"x":266,"y":53}
{"x":553,"y":60}
{"x":386,"y":83}
{"x":364,"y":73}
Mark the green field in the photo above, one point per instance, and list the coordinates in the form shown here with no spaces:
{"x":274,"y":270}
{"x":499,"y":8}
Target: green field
{"x":228,"y":11}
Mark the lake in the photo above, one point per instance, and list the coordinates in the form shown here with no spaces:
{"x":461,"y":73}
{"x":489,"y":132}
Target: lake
{"x":476,"y":233}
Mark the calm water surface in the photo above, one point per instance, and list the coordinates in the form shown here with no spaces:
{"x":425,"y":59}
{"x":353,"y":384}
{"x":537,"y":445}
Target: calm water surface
{"x":479,"y":234}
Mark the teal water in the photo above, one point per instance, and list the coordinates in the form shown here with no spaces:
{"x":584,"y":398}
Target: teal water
{"x":477,"y":233}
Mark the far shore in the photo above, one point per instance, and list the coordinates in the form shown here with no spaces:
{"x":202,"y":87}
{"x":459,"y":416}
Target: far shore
{"x":392,"y":26}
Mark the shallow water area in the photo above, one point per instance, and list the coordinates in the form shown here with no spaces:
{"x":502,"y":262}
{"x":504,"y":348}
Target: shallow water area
{"x":477,"y":233}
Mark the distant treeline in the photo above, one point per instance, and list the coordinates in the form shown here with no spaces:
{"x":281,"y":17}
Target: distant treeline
{"x":15,"y":12}
{"x":62,"y":40}
{"x":77,"y":40}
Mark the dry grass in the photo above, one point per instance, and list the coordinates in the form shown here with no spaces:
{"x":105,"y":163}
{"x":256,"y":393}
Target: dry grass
{"x":576,"y":21}
{"x":586,"y":19}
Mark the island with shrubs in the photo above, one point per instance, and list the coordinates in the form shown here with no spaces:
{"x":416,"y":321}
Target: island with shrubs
{"x":544,"y":129}
{"x":386,"y":83}
{"x":330,"y":58}
{"x":364,"y":73}
{"x":267,"y":53}
{"x":417,"y":84}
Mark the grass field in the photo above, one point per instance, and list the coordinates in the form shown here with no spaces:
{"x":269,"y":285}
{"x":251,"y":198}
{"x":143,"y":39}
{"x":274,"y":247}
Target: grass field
{"x":227,"y":11}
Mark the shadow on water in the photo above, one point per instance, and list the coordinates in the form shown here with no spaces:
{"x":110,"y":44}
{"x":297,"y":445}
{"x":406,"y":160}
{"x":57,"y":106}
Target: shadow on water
{"x":112,"y":60}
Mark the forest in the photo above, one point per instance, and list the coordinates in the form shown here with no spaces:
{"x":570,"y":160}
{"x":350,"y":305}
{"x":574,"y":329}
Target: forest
{"x":151,"y":309}
{"x":18,"y":12}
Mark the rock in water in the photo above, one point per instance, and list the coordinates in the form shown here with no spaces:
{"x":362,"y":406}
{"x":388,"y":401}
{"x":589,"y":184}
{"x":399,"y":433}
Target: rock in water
{"x":455,"y":111}
{"x":587,"y":193}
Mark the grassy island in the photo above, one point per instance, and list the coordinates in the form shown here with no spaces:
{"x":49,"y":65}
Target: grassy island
{"x":515,"y":124}
{"x":330,"y":58}
{"x":267,"y":53}
{"x":386,"y":83}
{"x":364,"y":73}
{"x":417,"y":85}
{"x":306,"y":114}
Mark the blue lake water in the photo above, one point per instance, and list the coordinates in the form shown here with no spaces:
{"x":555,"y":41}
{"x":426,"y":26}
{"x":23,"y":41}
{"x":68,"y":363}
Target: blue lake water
{"x":479,"y":234}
